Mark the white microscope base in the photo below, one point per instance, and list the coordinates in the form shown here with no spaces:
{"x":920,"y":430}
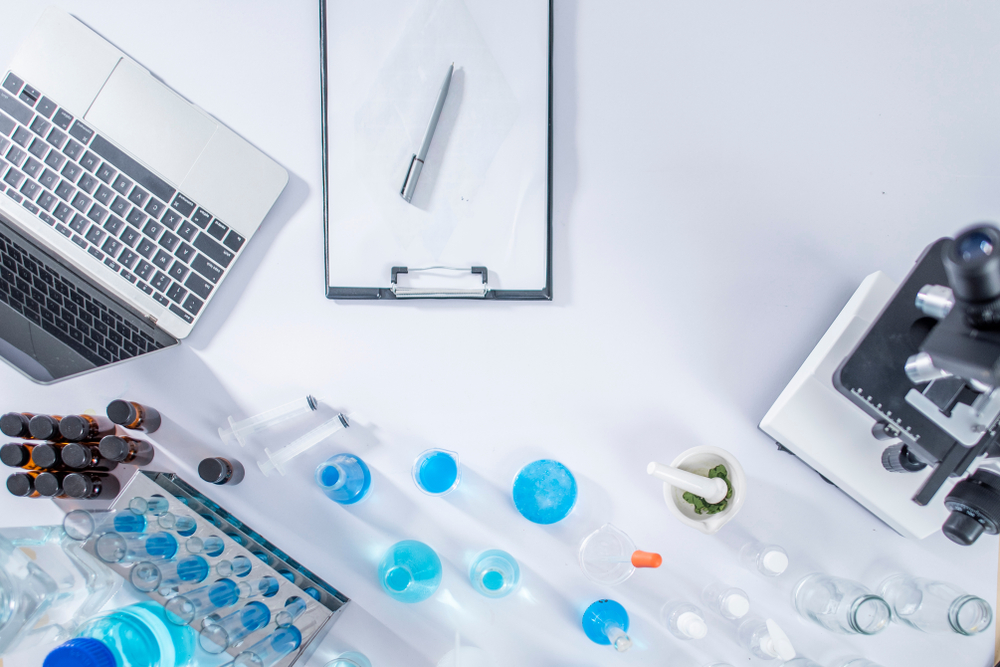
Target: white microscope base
{"x":833,"y":436}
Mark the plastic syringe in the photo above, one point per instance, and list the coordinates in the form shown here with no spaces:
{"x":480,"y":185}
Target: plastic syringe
{"x":277,"y":460}
{"x":241,"y":429}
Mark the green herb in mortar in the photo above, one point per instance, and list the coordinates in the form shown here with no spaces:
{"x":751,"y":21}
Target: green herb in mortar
{"x":700,"y":506}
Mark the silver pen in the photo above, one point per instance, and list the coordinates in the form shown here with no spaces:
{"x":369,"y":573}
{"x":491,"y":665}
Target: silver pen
{"x":417,"y":161}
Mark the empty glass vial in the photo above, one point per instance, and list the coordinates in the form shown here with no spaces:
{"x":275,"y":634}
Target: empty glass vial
{"x":495,"y":573}
{"x":683,"y":620}
{"x":767,"y":559}
{"x":344,"y":478}
{"x":154,"y":505}
{"x":134,"y":416}
{"x":126,"y":450}
{"x":294,"y":607}
{"x":15,"y":424}
{"x":45,"y":427}
{"x":90,"y":486}
{"x":239,"y":566}
{"x":410,"y":571}
{"x":129,"y":547}
{"x":840,"y":605}
{"x":211,"y":546}
{"x":437,"y":472}
{"x":164,"y":576}
{"x":221,"y":633}
{"x":764,"y":639}
{"x":271,"y":649}
{"x":85,"y":428}
{"x":263,"y":587}
{"x":606,"y":622}
{"x":179,"y":523}
{"x":202,"y":601}
{"x":726,"y":601}
{"x":84,"y":524}
{"x":77,"y":456}
{"x":935,"y":606}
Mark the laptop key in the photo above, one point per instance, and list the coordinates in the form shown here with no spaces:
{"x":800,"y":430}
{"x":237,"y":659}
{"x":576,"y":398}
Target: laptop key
{"x":162,"y":300}
{"x":95,"y":235}
{"x":169,"y":241}
{"x":30,"y":189}
{"x":162,"y":259}
{"x":55,"y":159}
{"x":21,"y":137}
{"x":133,"y":169}
{"x":171,"y":219}
{"x":48,"y":201}
{"x":73,"y":150}
{"x":154,"y":207}
{"x":105,"y":195}
{"x":136,"y":218}
{"x":201,"y":218}
{"x":49,"y":220}
{"x":40,"y":126}
{"x":160,"y":281}
{"x":57,"y":138}
{"x":146,"y":248}
{"x":63,"y":119}
{"x":145,"y":288}
{"x":107,"y":173}
{"x":14,"y":177}
{"x":188,"y":230}
{"x":81,"y":132}
{"x":112,"y":246}
{"x":38,"y":148}
{"x":17,"y":111}
{"x":176,"y":293}
{"x":90,"y":162}
{"x":95,"y":252}
{"x":16,"y":155}
{"x":145,"y":270}
{"x":46,"y":107}
{"x":217,"y":229}
{"x":13,"y":83}
{"x":63,"y":212}
{"x":81,"y":202}
{"x":88,"y":183}
{"x":29,"y":95}
{"x":114,"y":225}
{"x":234,"y":241}
{"x":128,"y":276}
{"x":138,"y":196}
{"x":207,"y":268}
{"x":78,"y":224}
{"x":183,"y":204}
{"x":120,"y":206}
{"x":32,"y":167}
{"x":7,"y":125}
{"x":213,"y":250}
{"x":79,"y":241}
{"x":181,"y":314}
{"x":130,"y":237}
{"x":193,"y":304}
{"x":97,"y":213}
{"x":49,"y":179}
{"x":153,"y":229}
{"x":122,"y":185}
{"x":128,"y":258}
{"x":27,"y":202}
{"x":72,"y":171}
{"x":178,"y":271}
{"x":184,"y":252}
{"x":198,"y":285}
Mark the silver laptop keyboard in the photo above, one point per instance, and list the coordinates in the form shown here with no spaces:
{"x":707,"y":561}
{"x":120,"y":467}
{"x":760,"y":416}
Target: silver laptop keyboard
{"x":130,"y":220}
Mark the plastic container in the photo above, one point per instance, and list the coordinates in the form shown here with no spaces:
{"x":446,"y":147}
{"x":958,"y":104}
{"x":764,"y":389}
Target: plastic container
{"x":544,"y":491}
{"x":344,"y":478}
{"x":495,"y":574}
{"x":608,"y":556}
{"x":410,"y":571}
{"x":699,"y":460}
{"x":683,"y":620}
{"x":437,"y":472}
{"x":935,"y":606}
{"x":767,"y":559}
{"x":840,"y":605}
{"x":727,"y":601}
{"x":134,"y":636}
{"x":606,"y":622}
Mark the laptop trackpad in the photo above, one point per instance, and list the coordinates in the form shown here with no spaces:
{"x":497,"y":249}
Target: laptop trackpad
{"x":150,"y":121}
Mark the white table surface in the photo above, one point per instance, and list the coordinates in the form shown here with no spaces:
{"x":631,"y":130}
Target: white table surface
{"x":726,"y":174}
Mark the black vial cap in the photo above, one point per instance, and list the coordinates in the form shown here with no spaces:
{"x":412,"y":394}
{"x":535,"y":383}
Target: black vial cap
{"x":76,"y":456}
{"x":20,"y":485}
{"x":48,"y":484}
{"x":114,"y":448}
{"x":45,"y":456}
{"x":14,"y":424}
{"x":122,"y":412}
{"x":44,"y":427}
{"x":78,"y":486}
{"x":215,"y":471}
{"x":74,"y":427}
{"x":15,"y":455}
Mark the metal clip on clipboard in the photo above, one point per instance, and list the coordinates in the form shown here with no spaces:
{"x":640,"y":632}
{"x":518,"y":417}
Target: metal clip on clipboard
{"x":403,"y":292}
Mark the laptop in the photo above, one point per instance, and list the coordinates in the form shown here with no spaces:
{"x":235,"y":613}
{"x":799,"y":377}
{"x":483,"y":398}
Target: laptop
{"x":123,"y":206}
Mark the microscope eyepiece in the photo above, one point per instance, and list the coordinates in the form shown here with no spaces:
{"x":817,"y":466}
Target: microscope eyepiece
{"x":972,"y":262}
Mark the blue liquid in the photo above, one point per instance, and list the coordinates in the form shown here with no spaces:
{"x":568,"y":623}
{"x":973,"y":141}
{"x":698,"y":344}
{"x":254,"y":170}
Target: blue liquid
{"x":161,"y":545}
{"x":344,"y":478}
{"x":544,"y":491}
{"x":223,"y":593}
{"x":494,"y":573}
{"x":602,"y":616}
{"x":410,"y":571}
{"x":313,"y":593}
{"x":437,"y":472}
{"x":129,"y":522}
{"x":194,"y":568}
{"x":214,"y":546}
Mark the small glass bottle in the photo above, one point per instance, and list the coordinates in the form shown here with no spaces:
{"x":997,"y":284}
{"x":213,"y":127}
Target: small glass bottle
{"x":124,"y":449}
{"x":410,"y":571}
{"x":22,"y":485}
{"x":85,"y":428}
{"x":47,"y":456}
{"x":767,"y":559}
{"x":683,"y":620}
{"x":726,"y":601}
{"x":77,"y":456}
{"x":494,"y":573}
{"x":344,"y":478}
{"x":840,"y":605}
{"x":90,"y":486}
{"x":50,"y":484}
{"x":764,"y":639}
{"x":17,"y":455}
{"x":134,"y":416}
{"x":606,"y":622}
{"x":935,"y":606}
{"x":220,"y":471}
{"x":45,"y":427}
{"x":15,"y":424}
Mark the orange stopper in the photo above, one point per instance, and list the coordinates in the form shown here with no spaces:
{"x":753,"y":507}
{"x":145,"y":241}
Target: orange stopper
{"x":646,"y":559}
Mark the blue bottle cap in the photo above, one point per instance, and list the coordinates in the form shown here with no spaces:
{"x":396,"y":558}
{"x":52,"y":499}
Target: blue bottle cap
{"x":80,"y":652}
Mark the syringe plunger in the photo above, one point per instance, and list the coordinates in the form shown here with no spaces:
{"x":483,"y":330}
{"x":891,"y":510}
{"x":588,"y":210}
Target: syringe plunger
{"x":277,"y":460}
{"x":241,"y":429}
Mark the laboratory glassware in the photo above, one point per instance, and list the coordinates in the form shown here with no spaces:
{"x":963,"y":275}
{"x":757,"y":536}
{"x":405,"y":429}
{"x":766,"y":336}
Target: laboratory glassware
{"x":239,"y":566}
{"x":608,"y":556}
{"x":217,"y":470}
{"x":85,"y":428}
{"x":264,"y":420}
{"x":154,"y":505}
{"x":410,"y":571}
{"x":83,"y":524}
{"x":935,"y":606}
{"x":727,"y":601}
{"x":134,"y":416}
{"x":767,"y":559}
{"x":127,"y":547}
{"x":279,"y":459}
{"x":344,"y":478}
{"x":211,"y":546}
{"x":437,"y":472}
{"x":272,"y":648}
{"x":544,"y":491}
{"x":221,"y":633}
{"x":494,"y":573}
{"x":126,"y":450}
{"x":840,"y":605}
{"x":149,"y":576}
{"x":350,"y":659}
{"x":179,"y":523}
{"x":683,"y":620}
{"x":845,"y":662}
{"x":294,"y":607}
{"x":765,"y":639}
{"x":201,"y":601}
{"x":606,"y":622}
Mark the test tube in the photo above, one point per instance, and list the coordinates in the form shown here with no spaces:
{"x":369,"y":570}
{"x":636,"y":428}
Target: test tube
{"x":182,"y":525}
{"x":239,"y":566}
{"x":269,"y":650}
{"x":294,"y":607}
{"x":211,"y":546}
{"x":128,"y":547}
{"x":277,"y":460}
{"x":221,"y":633}
{"x":265,"y":586}
{"x":241,"y":429}
{"x":198,"y":602}
{"x":148,"y":576}
{"x":83,"y":524}
{"x":154,"y":505}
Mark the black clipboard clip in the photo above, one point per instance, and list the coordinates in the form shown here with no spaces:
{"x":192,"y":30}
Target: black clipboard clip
{"x":403,"y":292}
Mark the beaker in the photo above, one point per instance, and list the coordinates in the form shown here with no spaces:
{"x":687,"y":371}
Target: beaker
{"x":436,"y":472}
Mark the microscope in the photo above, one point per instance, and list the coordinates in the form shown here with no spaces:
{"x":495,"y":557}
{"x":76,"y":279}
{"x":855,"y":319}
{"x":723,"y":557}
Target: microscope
{"x":901,"y":397}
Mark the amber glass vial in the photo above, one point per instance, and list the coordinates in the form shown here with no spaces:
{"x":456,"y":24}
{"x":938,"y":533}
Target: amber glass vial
{"x":90,"y":486}
{"x":85,"y":428}
{"x":124,"y":449}
{"x":50,"y":484}
{"x":16,"y":455}
{"x":47,"y":456}
{"x":45,"y":427}
{"x":80,"y":456}
{"x":15,"y":424}
{"x":134,"y":416}
{"x":22,"y":485}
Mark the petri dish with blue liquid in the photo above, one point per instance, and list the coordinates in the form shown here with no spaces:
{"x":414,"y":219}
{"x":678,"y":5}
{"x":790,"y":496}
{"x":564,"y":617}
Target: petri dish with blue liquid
{"x":437,"y":472}
{"x":544,"y":491}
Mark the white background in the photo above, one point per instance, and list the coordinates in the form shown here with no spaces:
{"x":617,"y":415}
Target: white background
{"x":726,"y":173}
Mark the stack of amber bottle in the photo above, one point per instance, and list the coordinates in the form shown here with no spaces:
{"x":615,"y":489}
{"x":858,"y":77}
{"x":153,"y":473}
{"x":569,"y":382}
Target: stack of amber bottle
{"x":73,"y":456}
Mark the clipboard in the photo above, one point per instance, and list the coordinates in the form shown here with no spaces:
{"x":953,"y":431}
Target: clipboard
{"x":480,"y":222}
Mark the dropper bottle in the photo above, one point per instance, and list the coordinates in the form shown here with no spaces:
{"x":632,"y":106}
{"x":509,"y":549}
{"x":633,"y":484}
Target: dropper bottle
{"x":765,"y":639}
{"x":683,"y":620}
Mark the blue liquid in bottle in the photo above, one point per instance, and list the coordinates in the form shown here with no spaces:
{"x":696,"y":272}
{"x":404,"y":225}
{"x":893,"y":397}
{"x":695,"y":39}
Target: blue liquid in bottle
{"x":436,"y":472}
{"x":544,"y":491}
{"x":344,"y":478}
{"x":606,"y":622}
{"x":410,"y":571}
{"x":134,"y":636}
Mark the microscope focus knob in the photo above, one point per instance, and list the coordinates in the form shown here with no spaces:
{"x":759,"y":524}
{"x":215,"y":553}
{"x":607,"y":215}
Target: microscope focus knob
{"x":898,"y":458}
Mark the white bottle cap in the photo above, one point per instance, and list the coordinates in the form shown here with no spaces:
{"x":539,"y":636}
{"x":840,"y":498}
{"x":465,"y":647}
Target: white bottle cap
{"x":776,"y":642}
{"x":775,"y":561}
{"x":736,"y":605}
{"x":692,"y":625}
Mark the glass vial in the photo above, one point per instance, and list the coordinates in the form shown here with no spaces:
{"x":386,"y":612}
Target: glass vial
{"x":344,"y":478}
{"x":767,"y":559}
{"x":134,"y":416}
{"x":221,"y":471}
{"x":85,"y":428}
{"x":726,"y":601}
{"x":495,"y":573}
{"x":840,"y":605}
{"x":47,"y":456}
{"x":126,"y":450}
{"x":22,"y":485}
{"x":90,"y":486}
{"x":683,"y":620}
{"x":45,"y":427}
{"x":15,"y":424}
{"x":935,"y":606}
{"x":764,"y":639}
{"x":78,"y":456}
{"x":50,"y":484}
{"x":17,"y":455}
{"x":606,"y":622}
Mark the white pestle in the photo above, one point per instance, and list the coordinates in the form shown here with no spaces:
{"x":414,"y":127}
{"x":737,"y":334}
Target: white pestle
{"x":713,"y":490}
